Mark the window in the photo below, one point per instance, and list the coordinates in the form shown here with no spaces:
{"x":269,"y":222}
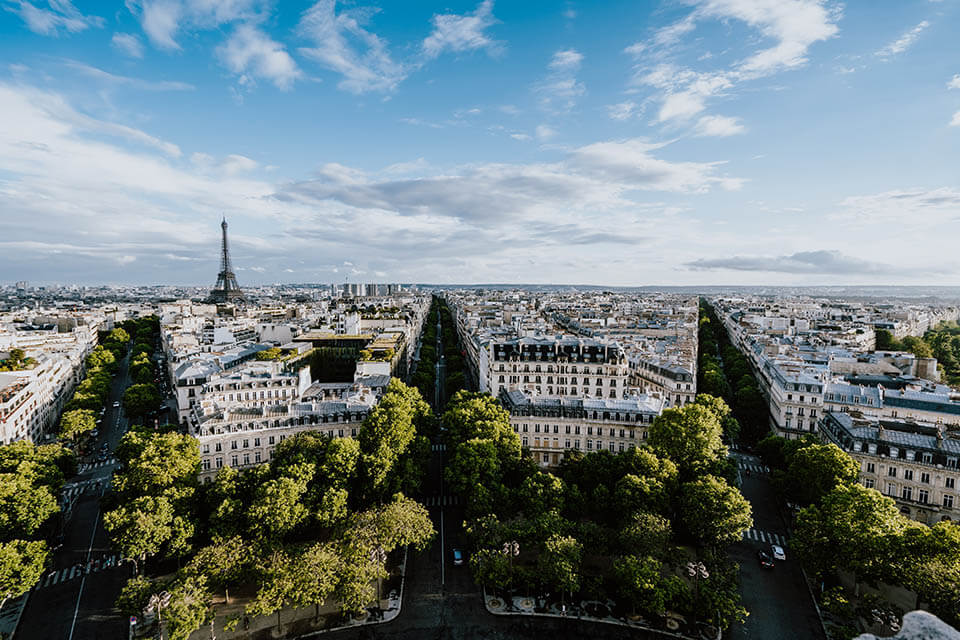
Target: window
{"x":233,"y":461}
{"x":868,"y":483}
{"x":923,"y":496}
{"x":950,"y":483}
{"x":546,"y":457}
{"x":948,"y":502}
{"x":908,"y":474}
{"x":612,"y":447}
{"x":246,"y":443}
{"x":218,"y":447}
{"x":589,"y":445}
{"x":526,"y":442}
{"x":219,"y":462}
{"x":892,"y":472}
{"x":907,"y":493}
{"x":568,"y":429}
{"x":525,"y":427}
{"x":206,"y":448}
{"x":924,"y":477}
{"x":246,"y":458}
{"x":871,"y":468}
{"x":206,"y":464}
{"x":256,"y":457}
{"x":271,"y":440}
{"x":891,"y":489}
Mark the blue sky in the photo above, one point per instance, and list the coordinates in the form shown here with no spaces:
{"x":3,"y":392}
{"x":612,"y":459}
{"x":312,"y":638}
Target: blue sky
{"x":623,"y":143}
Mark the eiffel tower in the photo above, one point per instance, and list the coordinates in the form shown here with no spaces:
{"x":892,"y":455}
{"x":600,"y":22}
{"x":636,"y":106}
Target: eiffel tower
{"x":226,"y":289}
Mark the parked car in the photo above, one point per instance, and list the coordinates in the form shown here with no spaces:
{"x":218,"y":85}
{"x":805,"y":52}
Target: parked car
{"x":778,"y":553}
{"x":95,"y":433}
{"x":116,"y":405}
{"x":457,"y":557}
{"x":765,"y":560}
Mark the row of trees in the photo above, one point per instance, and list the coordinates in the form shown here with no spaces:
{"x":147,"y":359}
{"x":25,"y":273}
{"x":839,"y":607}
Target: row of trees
{"x":296,"y":531}
{"x":847,"y":527}
{"x":644,"y":512}
{"x":30,"y":481}
{"x":90,"y":396}
{"x":425,"y":377}
{"x":942,"y":342}
{"x":724,"y":372}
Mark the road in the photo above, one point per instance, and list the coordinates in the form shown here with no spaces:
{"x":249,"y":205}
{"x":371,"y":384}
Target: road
{"x":779,"y":603}
{"x":74,"y":602}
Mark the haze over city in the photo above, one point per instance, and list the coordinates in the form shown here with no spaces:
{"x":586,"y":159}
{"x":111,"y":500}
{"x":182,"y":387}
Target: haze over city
{"x":621,"y":143}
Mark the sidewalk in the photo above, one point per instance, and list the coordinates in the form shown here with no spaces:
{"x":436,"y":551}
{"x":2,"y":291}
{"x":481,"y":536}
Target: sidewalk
{"x":294,"y":623}
{"x":526,"y":606}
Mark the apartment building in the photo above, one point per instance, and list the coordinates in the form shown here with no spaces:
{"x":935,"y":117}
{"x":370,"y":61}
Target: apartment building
{"x":550,"y":427}
{"x":916,"y":464}
{"x":558,"y":366}
{"x":240,"y":434}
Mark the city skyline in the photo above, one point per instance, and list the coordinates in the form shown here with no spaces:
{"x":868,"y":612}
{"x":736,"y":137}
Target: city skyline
{"x":713,"y":142}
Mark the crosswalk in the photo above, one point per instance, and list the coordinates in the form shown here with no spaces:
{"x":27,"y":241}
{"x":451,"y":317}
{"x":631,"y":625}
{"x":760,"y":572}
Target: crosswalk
{"x":63,"y":575}
{"x":445,"y":501}
{"x":74,"y":490}
{"x":87,"y":466}
{"x":754,"y":468}
{"x":439,"y":447}
{"x":767,"y":537}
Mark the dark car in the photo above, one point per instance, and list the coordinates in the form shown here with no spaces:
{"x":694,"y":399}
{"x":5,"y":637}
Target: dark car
{"x":765,"y":560}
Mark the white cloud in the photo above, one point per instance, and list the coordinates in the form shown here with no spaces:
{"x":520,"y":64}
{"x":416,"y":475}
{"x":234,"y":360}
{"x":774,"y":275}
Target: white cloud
{"x":452,"y":32}
{"x":544,"y":132}
{"x":520,"y":136}
{"x":342,"y":45}
{"x":137,"y":83}
{"x":235,"y":164}
{"x":623,"y":110}
{"x":128,"y":43}
{"x":793,"y":26}
{"x":954,"y":82}
{"x":162,"y":20}
{"x":560,"y":89}
{"x":566,"y":60}
{"x":60,"y":16}
{"x":719,"y":126}
{"x":823,"y":261}
{"x":955,"y":122}
{"x":250,"y":53}
{"x":909,"y":207}
{"x":904,"y":42}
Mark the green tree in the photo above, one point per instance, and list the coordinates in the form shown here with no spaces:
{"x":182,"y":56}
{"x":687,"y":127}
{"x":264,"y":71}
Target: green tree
{"x":189,"y":607}
{"x":140,"y":399}
{"x":223,"y":563}
{"x":76,"y":423}
{"x":17,"y":356}
{"x":118,"y":335}
{"x":155,"y":462}
{"x":643,"y":583}
{"x":135,"y":595}
{"x":277,"y":508}
{"x":816,"y":469}
{"x":886,"y":341}
{"x":269,"y":354}
{"x":646,"y":534}
{"x":690,"y":436}
{"x":492,"y":569}
{"x":100,"y":358}
{"x":24,"y":504}
{"x":141,"y":527}
{"x":918,"y":347}
{"x":21,"y":566}
{"x":853,"y":528}
{"x":713,"y":512}
{"x":559,"y":563}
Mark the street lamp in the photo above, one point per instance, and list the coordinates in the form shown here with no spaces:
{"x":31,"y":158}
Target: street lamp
{"x":511,"y":550}
{"x":697,"y":571}
{"x":158,"y":602}
{"x":378,"y":556}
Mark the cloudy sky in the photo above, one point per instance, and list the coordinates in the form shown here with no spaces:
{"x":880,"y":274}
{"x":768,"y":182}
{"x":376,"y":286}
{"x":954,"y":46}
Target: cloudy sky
{"x":622,"y":142}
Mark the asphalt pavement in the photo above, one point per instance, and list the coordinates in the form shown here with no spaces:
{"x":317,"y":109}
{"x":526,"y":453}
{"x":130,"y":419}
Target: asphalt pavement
{"x":778,"y":600}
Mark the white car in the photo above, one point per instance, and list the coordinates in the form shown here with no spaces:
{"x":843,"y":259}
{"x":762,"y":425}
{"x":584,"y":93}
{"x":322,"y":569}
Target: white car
{"x":777,"y":552}
{"x":116,"y":405}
